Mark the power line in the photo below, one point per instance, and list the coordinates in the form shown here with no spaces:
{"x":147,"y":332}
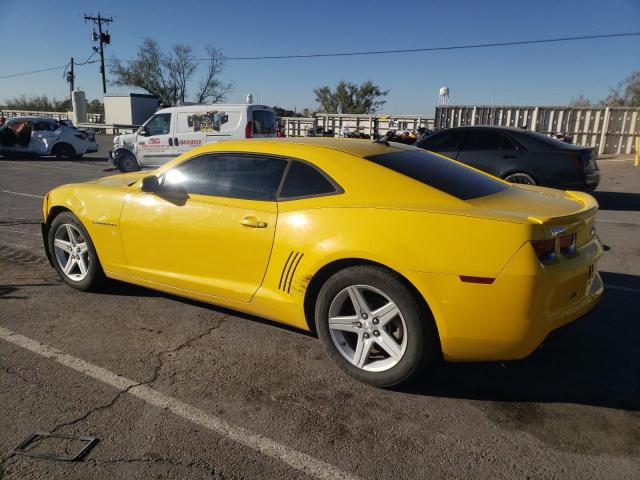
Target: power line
{"x":435,"y":49}
{"x":385,"y":52}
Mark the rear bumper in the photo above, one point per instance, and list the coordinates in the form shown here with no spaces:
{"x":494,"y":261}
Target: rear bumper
{"x":510,"y":318}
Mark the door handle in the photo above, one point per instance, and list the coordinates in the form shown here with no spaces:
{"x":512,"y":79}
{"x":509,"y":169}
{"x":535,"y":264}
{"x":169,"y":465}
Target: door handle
{"x":253,"y":222}
{"x":170,"y":142}
{"x":175,"y":141}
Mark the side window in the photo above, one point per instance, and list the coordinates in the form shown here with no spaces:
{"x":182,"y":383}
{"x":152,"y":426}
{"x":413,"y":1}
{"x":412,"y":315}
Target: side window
{"x":481,"y":140}
{"x":507,"y":144}
{"x":251,"y":177}
{"x":39,"y":126}
{"x":303,"y":180}
{"x":442,"y":142}
{"x":159,"y":124}
{"x":264,"y":122}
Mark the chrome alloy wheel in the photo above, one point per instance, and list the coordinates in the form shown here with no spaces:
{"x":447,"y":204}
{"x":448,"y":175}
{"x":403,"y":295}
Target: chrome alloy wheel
{"x":367,"y":328}
{"x":71,"y":252}
{"x":521,"y":177}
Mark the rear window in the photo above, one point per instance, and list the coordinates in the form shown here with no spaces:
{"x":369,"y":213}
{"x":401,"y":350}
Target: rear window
{"x":440,"y":173}
{"x":264,"y":122}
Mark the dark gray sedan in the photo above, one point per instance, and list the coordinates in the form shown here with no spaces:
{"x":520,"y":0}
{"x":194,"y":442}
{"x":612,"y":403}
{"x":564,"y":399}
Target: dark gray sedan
{"x":518,"y":156}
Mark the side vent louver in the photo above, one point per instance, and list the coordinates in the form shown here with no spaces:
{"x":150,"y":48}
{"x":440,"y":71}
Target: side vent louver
{"x":289,"y":270}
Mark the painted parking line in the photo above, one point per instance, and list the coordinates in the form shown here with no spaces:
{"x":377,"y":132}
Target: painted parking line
{"x":77,"y":170}
{"x":298,"y":460}
{"x":23,"y":194}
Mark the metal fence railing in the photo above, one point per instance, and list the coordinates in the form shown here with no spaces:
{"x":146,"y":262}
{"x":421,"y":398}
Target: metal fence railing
{"x":91,"y":117}
{"x":366,"y":124}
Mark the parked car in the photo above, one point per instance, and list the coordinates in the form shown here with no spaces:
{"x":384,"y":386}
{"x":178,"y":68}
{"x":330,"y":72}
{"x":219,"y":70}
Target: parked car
{"x":175,"y":130}
{"x":392,"y":254}
{"x":518,"y":156}
{"x":44,"y":136}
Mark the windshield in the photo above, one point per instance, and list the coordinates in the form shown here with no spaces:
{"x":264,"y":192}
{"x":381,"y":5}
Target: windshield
{"x":264,"y":122}
{"x":446,"y":175}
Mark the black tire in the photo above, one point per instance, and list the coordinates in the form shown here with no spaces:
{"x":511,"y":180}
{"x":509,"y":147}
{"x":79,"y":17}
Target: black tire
{"x":63,"y":150}
{"x":127,"y":163}
{"x":95,"y":275}
{"x":421,"y":335}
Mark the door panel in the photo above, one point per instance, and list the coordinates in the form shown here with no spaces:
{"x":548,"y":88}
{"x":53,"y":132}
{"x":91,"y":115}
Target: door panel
{"x":157,"y":147}
{"x":210,"y":245}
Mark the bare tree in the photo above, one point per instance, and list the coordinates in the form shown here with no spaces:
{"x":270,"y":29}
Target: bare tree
{"x":211,"y":88}
{"x":167,"y":75}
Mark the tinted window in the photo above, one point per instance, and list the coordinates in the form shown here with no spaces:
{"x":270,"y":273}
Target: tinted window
{"x":229,"y":175}
{"x":442,"y":142}
{"x":481,"y":140}
{"x":43,"y":126}
{"x":507,"y":144}
{"x":446,"y":175}
{"x":264,"y":121}
{"x":303,"y":180}
{"x":159,"y":124}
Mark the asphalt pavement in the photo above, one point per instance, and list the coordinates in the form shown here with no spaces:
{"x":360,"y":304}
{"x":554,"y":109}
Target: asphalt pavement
{"x":178,"y":389}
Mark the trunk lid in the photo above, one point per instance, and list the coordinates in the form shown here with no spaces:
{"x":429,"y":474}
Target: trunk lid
{"x":539,"y":205}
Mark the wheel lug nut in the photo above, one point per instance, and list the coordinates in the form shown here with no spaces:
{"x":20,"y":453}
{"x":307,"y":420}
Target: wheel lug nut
{"x":366,"y":335}
{"x":376,"y":333}
{"x":376,"y":321}
{"x":365,"y":316}
{"x":359,"y":324}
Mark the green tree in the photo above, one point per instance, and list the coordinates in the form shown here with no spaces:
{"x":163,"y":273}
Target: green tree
{"x":167,"y":74}
{"x":626,"y":94}
{"x":350,"y":98}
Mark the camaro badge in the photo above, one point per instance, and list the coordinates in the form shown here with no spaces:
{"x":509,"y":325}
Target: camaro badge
{"x":555,"y":231}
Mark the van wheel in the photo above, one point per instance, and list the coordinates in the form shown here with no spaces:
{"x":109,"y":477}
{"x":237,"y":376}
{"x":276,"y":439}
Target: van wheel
{"x":128,"y":163}
{"x":63,"y":150}
{"x":373,"y":327}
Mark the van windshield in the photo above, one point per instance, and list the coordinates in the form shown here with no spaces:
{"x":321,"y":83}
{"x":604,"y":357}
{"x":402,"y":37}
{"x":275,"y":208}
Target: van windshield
{"x":264,"y":122}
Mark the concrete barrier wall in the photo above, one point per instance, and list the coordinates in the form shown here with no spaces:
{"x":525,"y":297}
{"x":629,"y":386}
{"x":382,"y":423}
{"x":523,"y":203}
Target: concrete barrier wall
{"x":608,"y":129}
{"x":298,"y":126}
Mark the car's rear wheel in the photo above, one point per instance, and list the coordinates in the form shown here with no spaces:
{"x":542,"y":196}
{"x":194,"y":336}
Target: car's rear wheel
{"x":520,"y":177}
{"x":127,"y":163}
{"x":373,"y":327}
{"x":73,"y":254}
{"x":63,"y":150}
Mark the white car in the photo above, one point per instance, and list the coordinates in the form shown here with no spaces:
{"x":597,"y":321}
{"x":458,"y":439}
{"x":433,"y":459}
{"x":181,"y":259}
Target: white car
{"x":175,"y":130}
{"x":44,"y":136}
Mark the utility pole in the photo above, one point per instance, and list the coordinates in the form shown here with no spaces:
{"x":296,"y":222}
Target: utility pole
{"x":71,"y":79}
{"x":104,"y":39}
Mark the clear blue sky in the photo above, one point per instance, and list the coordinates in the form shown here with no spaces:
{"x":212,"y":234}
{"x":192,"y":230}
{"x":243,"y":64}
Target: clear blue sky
{"x":40,"y":34}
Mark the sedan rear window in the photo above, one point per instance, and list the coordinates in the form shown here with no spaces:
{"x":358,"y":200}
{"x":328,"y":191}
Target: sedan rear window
{"x":437,"y":172}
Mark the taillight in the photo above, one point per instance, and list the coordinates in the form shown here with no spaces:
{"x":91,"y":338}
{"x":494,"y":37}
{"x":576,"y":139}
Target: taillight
{"x":248,"y":130}
{"x":576,"y":158}
{"x":567,"y":244}
{"x":545,"y":249}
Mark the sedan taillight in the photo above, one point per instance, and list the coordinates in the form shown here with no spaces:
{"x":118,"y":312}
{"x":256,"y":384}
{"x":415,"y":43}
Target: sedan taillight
{"x":545,"y":249}
{"x":248,"y":130}
{"x":567,"y":244}
{"x":576,"y":158}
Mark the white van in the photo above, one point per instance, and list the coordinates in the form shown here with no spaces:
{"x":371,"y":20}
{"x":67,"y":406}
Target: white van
{"x":175,"y":130}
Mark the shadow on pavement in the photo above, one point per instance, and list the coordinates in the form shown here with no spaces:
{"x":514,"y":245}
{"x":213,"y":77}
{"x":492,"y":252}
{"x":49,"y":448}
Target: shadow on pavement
{"x":595,"y":361}
{"x":618,"y":201}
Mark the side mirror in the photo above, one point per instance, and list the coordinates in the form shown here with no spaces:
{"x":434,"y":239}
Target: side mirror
{"x":150,"y":184}
{"x":143,"y":131}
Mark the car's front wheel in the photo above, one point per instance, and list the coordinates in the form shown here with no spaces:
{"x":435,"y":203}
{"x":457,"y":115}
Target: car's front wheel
{"x":373,"y":327}
{"x":73,"y":255}
{"x":127,"y":163}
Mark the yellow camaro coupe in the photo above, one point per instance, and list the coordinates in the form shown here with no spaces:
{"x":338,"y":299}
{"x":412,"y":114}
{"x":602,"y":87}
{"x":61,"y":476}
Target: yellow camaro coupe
{"x":392,"y":254}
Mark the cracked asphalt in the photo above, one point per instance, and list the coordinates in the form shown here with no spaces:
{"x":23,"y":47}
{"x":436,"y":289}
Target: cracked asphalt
{"x":571,"y":410}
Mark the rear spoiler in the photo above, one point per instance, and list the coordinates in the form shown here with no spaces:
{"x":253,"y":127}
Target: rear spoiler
{"x":588,"y":210}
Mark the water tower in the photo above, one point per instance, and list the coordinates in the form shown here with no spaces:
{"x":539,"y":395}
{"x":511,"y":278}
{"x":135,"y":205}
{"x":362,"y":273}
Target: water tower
{"x":443,"y":99}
